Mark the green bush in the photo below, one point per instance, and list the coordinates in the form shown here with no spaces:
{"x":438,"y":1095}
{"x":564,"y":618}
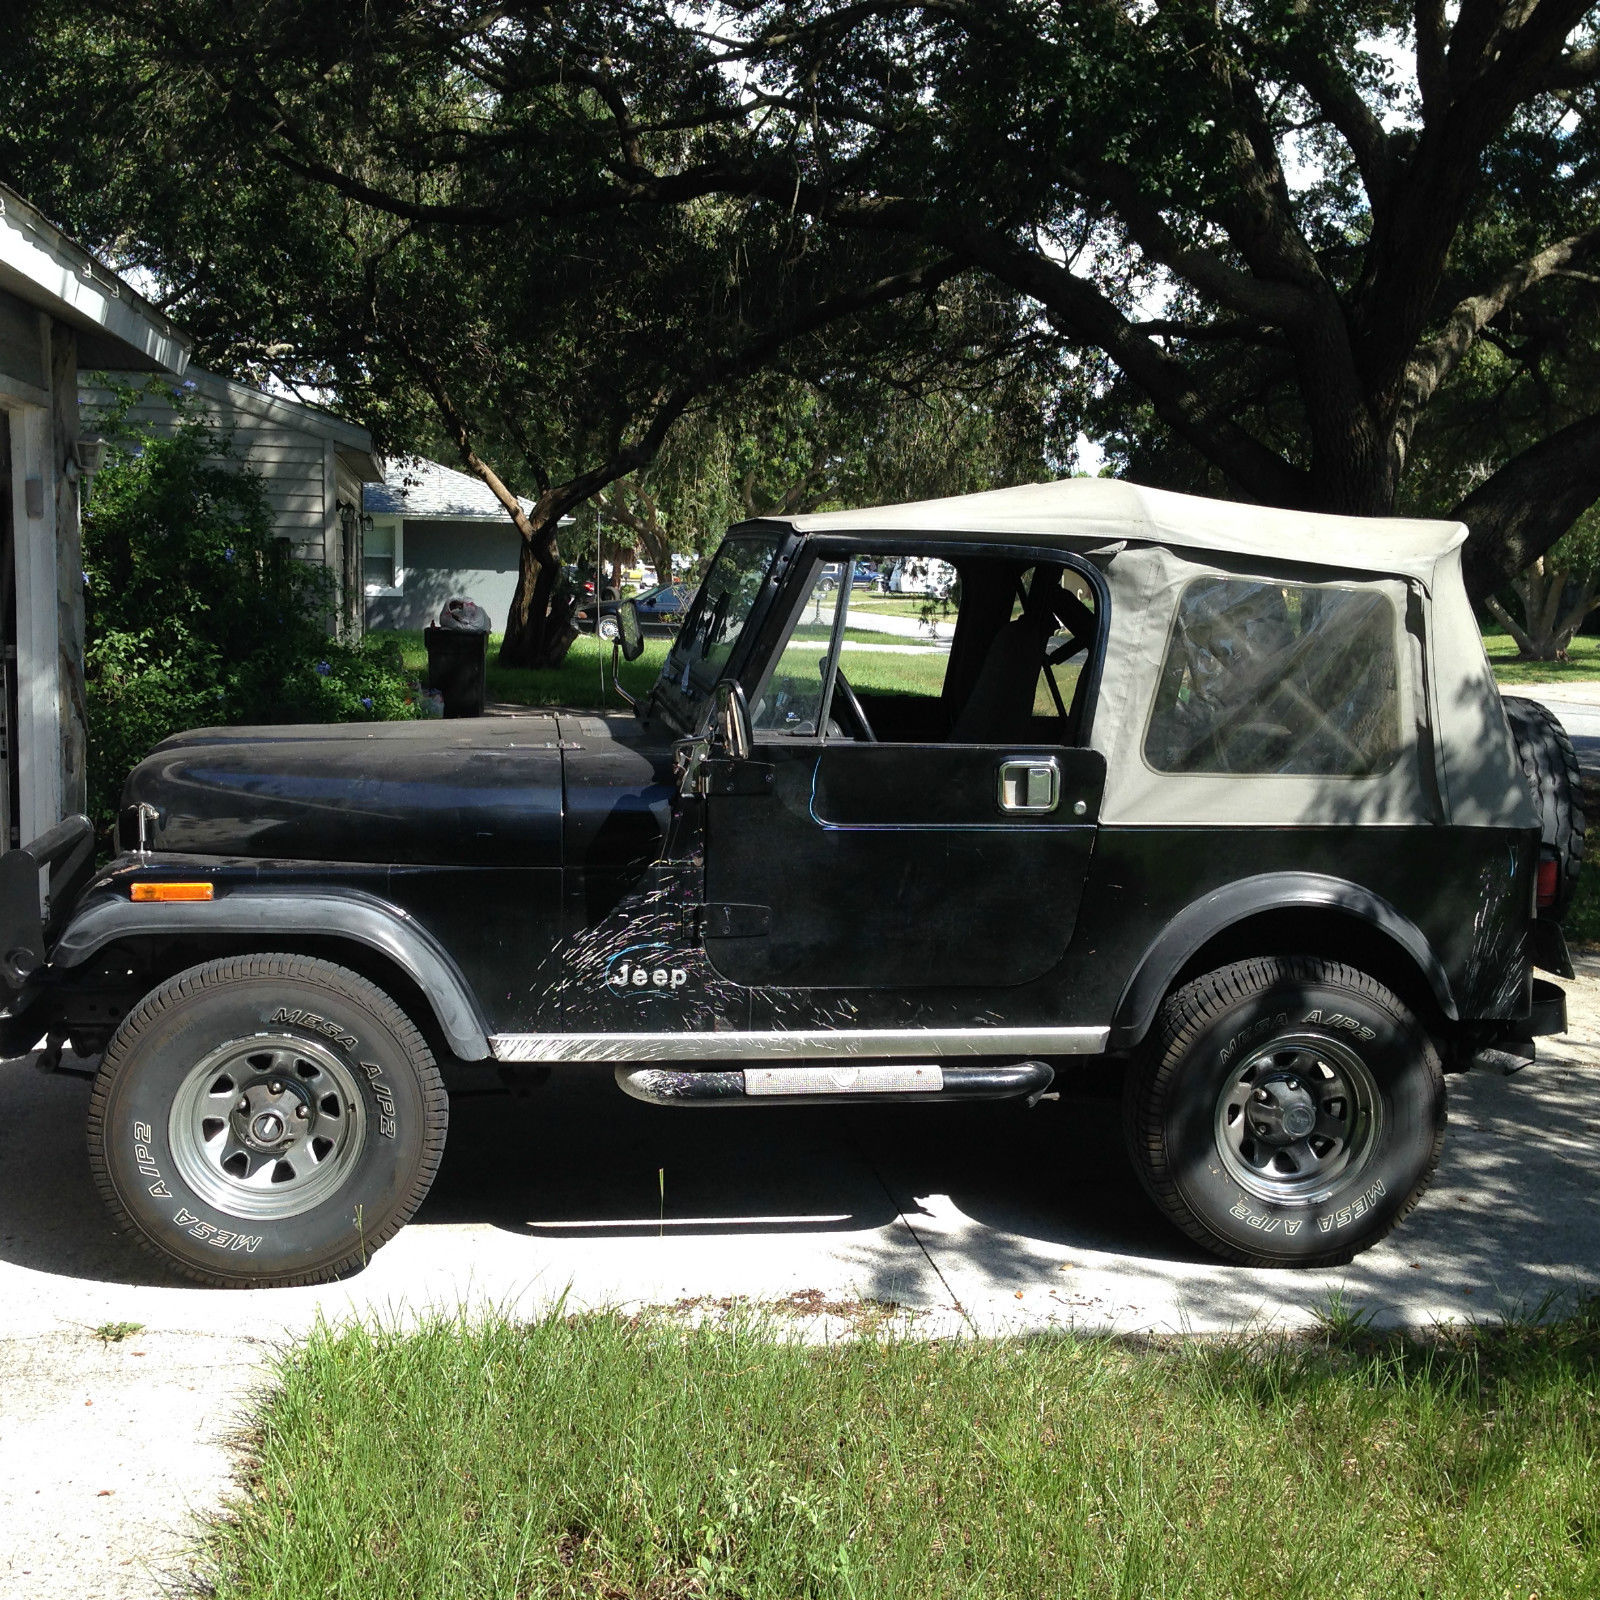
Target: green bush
{"x":198,"y":614}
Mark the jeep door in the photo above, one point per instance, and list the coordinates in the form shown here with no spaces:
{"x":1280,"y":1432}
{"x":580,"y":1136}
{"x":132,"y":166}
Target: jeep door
{"x":934,"y":826}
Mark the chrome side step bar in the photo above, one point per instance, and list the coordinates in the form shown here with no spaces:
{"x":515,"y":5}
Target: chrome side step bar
{"x":834,"y":1083}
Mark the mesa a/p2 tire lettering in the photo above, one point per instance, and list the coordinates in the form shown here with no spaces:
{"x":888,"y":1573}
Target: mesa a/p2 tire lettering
{"x":183,"y":1217}
{"x":266,"y":1119}
{"x":336,"y":1032}
{"x":1265,"y":1222}
{"x":309,"y":1019}
{"x":380,"y":1093}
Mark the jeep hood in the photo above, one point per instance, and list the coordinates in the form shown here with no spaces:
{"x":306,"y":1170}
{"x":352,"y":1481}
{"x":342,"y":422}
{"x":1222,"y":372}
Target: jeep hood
{"x":490,"y":791}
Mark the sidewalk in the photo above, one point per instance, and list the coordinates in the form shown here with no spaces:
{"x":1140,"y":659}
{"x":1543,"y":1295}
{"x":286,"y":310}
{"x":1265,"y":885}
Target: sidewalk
{"x":905,"y":627}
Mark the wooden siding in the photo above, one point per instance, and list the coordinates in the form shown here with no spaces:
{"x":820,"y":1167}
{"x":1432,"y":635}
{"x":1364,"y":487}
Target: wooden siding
{"x":289,"y":463}
{"x":22,"y":352}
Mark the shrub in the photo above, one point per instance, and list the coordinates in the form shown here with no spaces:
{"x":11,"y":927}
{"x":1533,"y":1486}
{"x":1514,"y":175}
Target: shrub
{"x":198,"y":614}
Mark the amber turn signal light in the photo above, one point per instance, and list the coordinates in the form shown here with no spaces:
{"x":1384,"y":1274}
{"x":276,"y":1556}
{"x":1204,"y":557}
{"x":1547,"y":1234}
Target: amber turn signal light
{"x":171,"y":891}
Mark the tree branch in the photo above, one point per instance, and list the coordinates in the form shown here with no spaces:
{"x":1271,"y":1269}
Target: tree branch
{"x":1510,"y":624}
{"x":1236,"y":329}
{"x":1337,"y":97}
{"x":461,"y":436}
{"x":1279,"y":304}
{"x":1086,"y":312}
{"x":727,"y":369}
{"x":1436,"y":360}
{"x":1576,"y":69}
{"x":1519,"y":512}
{"x":1432,"y":32}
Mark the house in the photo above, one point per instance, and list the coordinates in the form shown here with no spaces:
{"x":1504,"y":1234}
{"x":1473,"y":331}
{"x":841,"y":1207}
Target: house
{"x":61,"y":312}
{"x":434,"y":534}
{"x":312,"y":464}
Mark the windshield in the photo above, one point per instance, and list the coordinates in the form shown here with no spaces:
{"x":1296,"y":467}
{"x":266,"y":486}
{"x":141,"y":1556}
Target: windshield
{"x":699,"y":655}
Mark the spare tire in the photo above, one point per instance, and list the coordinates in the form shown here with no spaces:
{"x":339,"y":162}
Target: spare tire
{"x":1550,"y":765}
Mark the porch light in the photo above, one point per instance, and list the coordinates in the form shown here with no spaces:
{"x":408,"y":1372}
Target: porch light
{"x":87,"y":456}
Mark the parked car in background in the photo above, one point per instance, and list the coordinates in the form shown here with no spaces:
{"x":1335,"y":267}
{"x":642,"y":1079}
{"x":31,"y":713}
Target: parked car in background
{"x":664,"y":606}
{"x":582,"y":579}
{"x":862,"y":576}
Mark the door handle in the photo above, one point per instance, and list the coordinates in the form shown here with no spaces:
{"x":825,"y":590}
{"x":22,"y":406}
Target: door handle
{"x":1030,"y":784}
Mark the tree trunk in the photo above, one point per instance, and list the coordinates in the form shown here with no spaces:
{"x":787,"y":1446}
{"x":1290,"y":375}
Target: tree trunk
{"x":1550,"y":619}
{"x":539,"y":629}
{"x":1518,"y":513}
{"x":658,"y":552}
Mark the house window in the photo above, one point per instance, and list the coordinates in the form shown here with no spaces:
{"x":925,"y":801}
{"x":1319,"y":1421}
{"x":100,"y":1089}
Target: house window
{"x":381,"y":555}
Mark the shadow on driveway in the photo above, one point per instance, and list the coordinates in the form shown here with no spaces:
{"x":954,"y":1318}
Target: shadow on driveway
{"x":576,"y":1159}
{"x":996,"y":1214}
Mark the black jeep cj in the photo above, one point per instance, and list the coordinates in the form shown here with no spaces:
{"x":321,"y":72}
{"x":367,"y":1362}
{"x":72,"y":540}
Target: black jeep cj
{"x":1220,"y":799}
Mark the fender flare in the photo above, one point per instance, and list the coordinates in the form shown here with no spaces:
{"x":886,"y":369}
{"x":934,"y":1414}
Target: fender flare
{"x":350,"y":914}
{"x":1213,"y":914}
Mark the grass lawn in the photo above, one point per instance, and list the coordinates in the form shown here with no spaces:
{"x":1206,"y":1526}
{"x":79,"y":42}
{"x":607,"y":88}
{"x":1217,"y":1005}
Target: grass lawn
{"x":1583,"y":662}
{"x":602,"y":1456}
{"x":900,"y":605}
{"x":576,"y":682}
{"x":1582,"y":921}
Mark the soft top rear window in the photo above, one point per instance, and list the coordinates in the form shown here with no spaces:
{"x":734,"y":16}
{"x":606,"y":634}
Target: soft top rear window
{"x":1273,"y":678}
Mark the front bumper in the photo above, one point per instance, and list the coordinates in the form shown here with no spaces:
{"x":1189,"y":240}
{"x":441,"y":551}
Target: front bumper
{"x":29,"y":920}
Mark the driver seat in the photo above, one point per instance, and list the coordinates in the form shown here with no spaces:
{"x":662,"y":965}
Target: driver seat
{"x":999,"y":710}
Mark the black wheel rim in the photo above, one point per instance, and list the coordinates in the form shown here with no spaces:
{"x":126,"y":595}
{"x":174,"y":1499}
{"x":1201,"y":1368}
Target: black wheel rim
{"x":1296,"y":1116}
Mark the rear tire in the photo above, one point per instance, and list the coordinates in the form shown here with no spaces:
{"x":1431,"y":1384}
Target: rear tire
{"x":266,"y":1120}
{"x":609,"y":628}
{"x":1550,"y":765}
{"x":1285,"y":1112}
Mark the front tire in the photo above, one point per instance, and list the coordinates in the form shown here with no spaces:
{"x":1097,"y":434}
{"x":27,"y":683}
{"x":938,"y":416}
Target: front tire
{"x":1286,"y":1112}
{"x":266,"y":1120}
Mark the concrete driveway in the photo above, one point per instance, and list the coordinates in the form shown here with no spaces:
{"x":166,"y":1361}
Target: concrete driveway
{"x":991,"y":1218}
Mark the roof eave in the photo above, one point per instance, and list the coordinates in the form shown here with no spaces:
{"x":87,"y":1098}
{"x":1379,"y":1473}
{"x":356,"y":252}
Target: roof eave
{"x":42,"y":266}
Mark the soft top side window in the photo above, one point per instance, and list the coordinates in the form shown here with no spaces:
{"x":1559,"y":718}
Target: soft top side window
{"x":1278,"y":678}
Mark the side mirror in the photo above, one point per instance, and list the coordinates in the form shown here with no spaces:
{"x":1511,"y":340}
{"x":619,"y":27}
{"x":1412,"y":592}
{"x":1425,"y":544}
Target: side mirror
{"x":629,"y":634}
{"x":730,"y":726}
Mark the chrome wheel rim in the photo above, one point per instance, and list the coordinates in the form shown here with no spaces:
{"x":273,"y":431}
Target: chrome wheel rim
{"x":1296,"y":1116}
{"x":267,"y":1127}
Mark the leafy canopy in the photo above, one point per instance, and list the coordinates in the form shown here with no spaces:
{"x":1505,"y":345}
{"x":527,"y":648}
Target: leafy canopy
{"x":198,"y":614}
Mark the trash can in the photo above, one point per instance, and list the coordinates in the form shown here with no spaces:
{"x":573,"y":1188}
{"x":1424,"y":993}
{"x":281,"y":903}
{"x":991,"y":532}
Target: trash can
{"x":457,"y":666}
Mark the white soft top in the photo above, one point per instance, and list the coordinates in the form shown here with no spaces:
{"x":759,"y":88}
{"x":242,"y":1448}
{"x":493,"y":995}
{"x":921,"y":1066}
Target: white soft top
{"x":1157,"y":543}
{"x":1101,"y":509}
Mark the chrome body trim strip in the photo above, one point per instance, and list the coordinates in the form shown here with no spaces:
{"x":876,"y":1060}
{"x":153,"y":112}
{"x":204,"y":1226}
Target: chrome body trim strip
{"x":826,"y":1044}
